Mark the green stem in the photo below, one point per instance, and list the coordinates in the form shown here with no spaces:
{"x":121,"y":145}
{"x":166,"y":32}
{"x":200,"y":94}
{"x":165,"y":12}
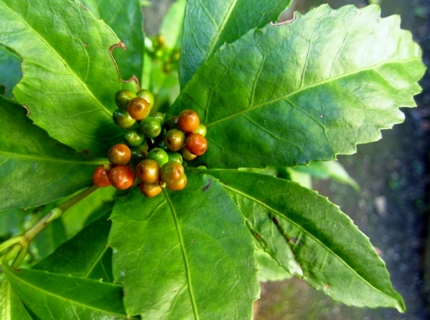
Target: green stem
{"x":23,"y":241}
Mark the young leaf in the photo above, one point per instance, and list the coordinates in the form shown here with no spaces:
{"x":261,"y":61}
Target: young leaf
{"x":56,"y":296}
{"x":11,"y":307}
{"x":125,"y":18}
{"x":86,"y":255}
{"x":184,"y":254}
{"x":34,"y":168}
{"x":69,"y":77}
{"x":209,"y":24}
{"x":304,"y":91}
{"x":334,"y":255}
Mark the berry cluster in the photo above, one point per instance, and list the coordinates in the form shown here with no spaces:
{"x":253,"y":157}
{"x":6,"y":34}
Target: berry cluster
{"x":153,"y":148}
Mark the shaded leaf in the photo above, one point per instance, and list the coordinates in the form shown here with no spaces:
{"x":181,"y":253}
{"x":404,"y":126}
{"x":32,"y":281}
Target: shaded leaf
{"x":304,"y":91}
{"x":11,"y":307}
{"x":126,"y":19}
{"x":10,"y":64}
{"x":86,"y":255}
{"x":334,"y":255}
{"x":69,"y":77}
{"x":34,"y":168}
{"x":184,"y":255}
{"x":209,"y":24}
{"x":56,"y":296}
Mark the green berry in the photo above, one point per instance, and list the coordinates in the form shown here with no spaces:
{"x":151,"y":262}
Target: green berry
{"x":187,"y":155}
{"x":122,"y":119}
{"x":134,"y":137}
{"x":158,"y":115}
{"x":123,"y":97}
{"x":139,"y":153}
{"x":201,"y":129}
{"x":150,"y":127}
{"x":174,"y":139}
{"x":175,"y":156}
{"x":147,"y":95}
{"x":172,"y":122}
{"x":158,"y":155}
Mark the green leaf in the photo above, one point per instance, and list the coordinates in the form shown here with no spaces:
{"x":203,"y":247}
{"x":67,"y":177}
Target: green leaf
{"x":184,"y":254}
{"x":57,"y":296}
{"x":69,"y":77}
{"x":268,"y":268}
{"x":334,"y":255}
{"x":328,"y":170}
{"x":209,"y":24}
{"x":86,"y":255}
{"x":11,"y":222}
{"x":34,"y":168}
{"x":10,"y":74}
{"x":126,"y":19}
{"x":304,"y":91}
{"x":11,"y":307}
{"x":171,"y":27}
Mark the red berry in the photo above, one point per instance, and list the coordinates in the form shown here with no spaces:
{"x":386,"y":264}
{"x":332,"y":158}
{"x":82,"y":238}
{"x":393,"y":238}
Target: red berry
{"x":188,"y":120}
{"x":100,"y":176}
{"x":196,"y":144}
{"x":121,"y":177}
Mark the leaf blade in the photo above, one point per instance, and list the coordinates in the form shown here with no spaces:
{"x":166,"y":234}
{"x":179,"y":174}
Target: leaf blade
{"x":10,"y":306}
{"x":34,"y":168}
{"x":55,"y":296}
{"x":289,"y":107}
{"x":223,"y":21}
{"x":185,"y":264}
{"x":68,"y":64}
{"x":320,"y":236}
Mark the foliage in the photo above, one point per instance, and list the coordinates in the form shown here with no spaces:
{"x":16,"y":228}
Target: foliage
{"x":272,"y":95}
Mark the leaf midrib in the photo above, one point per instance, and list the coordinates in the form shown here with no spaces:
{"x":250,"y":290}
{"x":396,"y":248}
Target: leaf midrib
{"x":64,"y":62}
{"x":12,"y":155}
{"x":49,"y":293}
{"x":307,"y":233}
{"x":317,"y":84}
{"x":224,"y":22}
{"x":184,"y":254}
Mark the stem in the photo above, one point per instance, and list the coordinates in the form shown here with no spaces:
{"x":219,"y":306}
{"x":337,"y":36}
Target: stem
{"x":22,"y":242}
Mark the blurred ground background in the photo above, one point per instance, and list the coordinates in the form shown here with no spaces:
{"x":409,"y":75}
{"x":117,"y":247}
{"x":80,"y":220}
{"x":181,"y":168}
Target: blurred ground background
{"x":392,"y":204}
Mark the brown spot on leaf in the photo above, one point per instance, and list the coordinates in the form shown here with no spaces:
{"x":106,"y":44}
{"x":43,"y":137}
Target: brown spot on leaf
{"x":28,"y":110}
{"x":206,"y":187}
{"x":275,"y":221}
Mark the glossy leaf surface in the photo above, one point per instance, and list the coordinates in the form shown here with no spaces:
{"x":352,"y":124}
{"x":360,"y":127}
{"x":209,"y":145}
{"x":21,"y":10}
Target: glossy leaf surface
{"x":334,"y":255}
{"x":11,"y":307}
{"x":56,"y":296}
{"x":184,"y":254}
{"x":34,"y":168}
{"x":305,"y":91}
{"x":86,"y":255}
{"x":69,"y":77}
{"x":209,"y":24}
